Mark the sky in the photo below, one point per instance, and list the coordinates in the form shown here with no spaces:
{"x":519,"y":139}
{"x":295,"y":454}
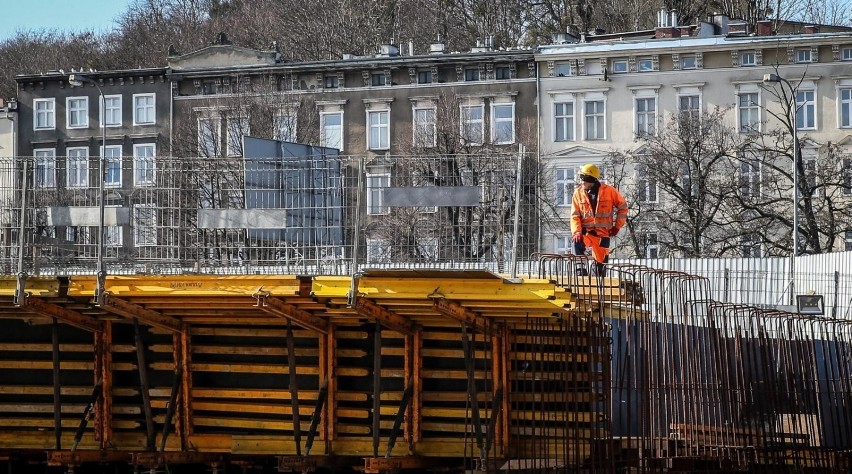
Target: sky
{"x":64,"y":15}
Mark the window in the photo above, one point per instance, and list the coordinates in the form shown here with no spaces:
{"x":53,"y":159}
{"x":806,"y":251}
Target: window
{"x":331,"y":124}
{"x":688,"y":183}
{"x":651,"y":244}
{"x":562,"y":244}
{"x":378,"y":123}
{"x":143,"y":109}
{"x":750,"y":245}
{"x":208,"y":136}
{"x":144,"y":165}
{"x":803,"y":55}
{"x":286,"y":127}
{"x":424,"y":127}
{"x":620,"y":66}
{"x":646,"y":116}
{"x":688,"y":61}
{"x":502,"y":73}
{"x":645,"y":65}
{"x":502,"y":124}
{"x":111,"y":111}
{"x":471,"y":74}
{"x":845,"y":108}
{"x":376,"y":185}
{"x":750,"y":178}
{"x":209,"y":87}
{"x":45,"y":114}
{"x":77,"y":167}
{"x":748,"y":58}
{"x":805,"y":110}
{"x":378,"y":79}
{"x":563,"y":115}
{"x":112,"y":164}
{"x":847,"y":240}
{"x":594,"y":119}
{"x":846,"y":54}
{"x":646,"y":185}
{"x":144,"y":225}
{"x":112,"y":235}
{"x":78,"y":235}
{"x":847,"y":176}
{"x":424,"y":77}
{"x":330,"y":82}
{"x":689,"y":106}
{"x":472,"y":124}
{"x":237,"y":127}
{"x":564,"y":186}
{"x":562,"y":69}
{"x":749,"y":112}
{"x":44,"y":174}
{"x":77,"y":112}
{"x":810,"y":166}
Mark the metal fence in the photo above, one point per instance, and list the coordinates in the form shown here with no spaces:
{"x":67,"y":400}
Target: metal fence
{"x":316,"y":214}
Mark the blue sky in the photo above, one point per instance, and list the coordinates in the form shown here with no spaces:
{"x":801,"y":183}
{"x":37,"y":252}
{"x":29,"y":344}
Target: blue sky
{"x":64,"y":15}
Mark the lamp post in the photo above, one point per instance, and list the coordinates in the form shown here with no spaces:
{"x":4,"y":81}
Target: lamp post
{"x":775,"y":78}
{"x":78,"y":80}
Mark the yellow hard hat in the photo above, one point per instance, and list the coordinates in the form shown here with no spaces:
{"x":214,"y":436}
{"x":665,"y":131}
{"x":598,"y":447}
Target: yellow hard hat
{"x":591,"y":170}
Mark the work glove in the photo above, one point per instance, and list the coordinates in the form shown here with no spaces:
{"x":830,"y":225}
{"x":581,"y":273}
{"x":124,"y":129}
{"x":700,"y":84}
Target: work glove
{"x":578,"y":236}
{"x":614,"y":231}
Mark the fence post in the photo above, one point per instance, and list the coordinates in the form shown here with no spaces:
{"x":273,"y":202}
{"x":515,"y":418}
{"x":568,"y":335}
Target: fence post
{"x":836,"y":294}
{"x":518,"y":182}
{"x":356,"y":233}
{"x":20,"y":289}
{"x":727,"y":285}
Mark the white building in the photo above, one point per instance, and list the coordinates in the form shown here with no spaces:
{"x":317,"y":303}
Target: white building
{"x":597,"y":97}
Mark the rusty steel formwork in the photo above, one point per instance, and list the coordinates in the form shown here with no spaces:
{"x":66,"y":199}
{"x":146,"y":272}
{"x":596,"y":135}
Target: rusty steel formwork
{"x":700,"y":385}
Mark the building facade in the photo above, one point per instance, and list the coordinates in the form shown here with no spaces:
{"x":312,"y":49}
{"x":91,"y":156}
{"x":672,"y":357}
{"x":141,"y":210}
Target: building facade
{"x":618,"y":97}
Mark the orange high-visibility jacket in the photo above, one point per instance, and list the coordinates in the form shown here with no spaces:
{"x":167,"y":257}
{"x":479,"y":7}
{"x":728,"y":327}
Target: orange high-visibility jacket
{"x":611,"y":211}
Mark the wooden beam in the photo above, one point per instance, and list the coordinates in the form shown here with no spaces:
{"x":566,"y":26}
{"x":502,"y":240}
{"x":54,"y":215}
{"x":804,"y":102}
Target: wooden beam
{"x":278,"y":307}
{"x":463,"y":315}
{"x":389,"y":319}
{"x":129,"y":310}
{"x":67,"y":316}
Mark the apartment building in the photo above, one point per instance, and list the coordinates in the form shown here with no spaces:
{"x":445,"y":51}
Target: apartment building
{"x":604,"y":95}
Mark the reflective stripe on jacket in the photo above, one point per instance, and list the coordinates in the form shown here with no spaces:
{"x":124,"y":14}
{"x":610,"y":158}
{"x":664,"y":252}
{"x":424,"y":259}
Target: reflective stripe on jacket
{"x":611,"y":211}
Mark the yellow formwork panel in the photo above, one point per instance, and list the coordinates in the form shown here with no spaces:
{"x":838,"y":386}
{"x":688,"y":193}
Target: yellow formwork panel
{"x":188,"y":285}
{"x":36,"y":286}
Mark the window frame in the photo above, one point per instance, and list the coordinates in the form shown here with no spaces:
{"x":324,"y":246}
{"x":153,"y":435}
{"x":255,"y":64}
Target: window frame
{"x":598,"y":118}
{"x":324,"y":127}
{"x":564,"y":122}
{"x":78,"y":112}
{"x":752,"y":58}
{"x":471,"y":74}
{"x":377,"y":193}
{"x":378,"y":79}
{"x":565,"y":180}
{"x":620,"y":66}
{"x":49,"y":114}
{"x":44,"y":177}
{"x":646,"y":186}
{"x":238,"y":125}
{"x":143,"y":238}
{"x":80,"y":164}
{"x":752,"y":108}
{"x":109,"y":160}
{"x":467,"y":124}
{"x":382,"y":129}
{"x":807,"y":108}
{"x":150,"y":167}
{"x":650,"y":117}
{"x":496,"y":122}
{"x":645,"y":65}
{"x":562,"y":66}
{"x":288,"y":121}
{"x":846,"y":53}
{"x":844,"y":113}
{"x":424,"y":77}
{"x":686,"y":57}
{"x":502,"y":73}
{"x":804,"y":55}
{"x":209,"y":136}
{"x":149,"y":109}
{"x":102,"y":117}
{"x":651,"y":245}
{"x":427,"y":138}
{"x":847,"y":168}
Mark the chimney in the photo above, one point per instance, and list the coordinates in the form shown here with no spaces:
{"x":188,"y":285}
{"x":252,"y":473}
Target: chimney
{"x":388,"y":50}
{"x":764,"y":28}
{"x":411,"y":47}
{"x":667,"y":25}
{"x":436,"y":48}
{"x":738,"y":28}
{"x":811,"y":29}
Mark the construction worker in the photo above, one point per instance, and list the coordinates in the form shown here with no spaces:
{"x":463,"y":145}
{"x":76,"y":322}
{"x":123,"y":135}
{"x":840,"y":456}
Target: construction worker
{"x":598,"y":212}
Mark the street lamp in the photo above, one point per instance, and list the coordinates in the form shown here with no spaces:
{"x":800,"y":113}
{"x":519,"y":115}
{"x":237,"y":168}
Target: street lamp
{"x":78,"y":80}
{"x":775,"y":78}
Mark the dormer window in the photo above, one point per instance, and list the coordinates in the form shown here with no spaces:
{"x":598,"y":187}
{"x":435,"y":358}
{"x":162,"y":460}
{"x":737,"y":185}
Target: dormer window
{"x":471,"y":74}
{"x":377,"y":79}
{"x":330,"y":82}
